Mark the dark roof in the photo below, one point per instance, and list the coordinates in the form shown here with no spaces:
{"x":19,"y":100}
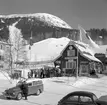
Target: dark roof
{"x":83,"y":93}
{"x":82,"y":49}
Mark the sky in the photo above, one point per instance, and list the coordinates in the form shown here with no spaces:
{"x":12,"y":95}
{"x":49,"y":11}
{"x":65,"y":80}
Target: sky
{"x":87,"y":13}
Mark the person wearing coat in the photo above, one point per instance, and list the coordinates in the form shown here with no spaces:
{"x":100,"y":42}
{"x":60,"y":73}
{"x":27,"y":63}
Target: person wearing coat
{"x":24,"y":88}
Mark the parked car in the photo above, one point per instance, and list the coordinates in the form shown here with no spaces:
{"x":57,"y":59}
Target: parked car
{"x":35,"y":86}
{"x":81,"y":98}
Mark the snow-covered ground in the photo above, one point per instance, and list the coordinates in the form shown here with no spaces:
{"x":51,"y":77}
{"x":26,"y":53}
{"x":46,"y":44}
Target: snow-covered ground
{"x":55,"y":88}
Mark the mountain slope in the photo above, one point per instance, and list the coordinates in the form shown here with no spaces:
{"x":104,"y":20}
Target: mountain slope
{"x":27,"y":23}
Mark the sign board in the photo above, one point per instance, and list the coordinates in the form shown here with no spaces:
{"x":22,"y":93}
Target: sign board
{"x":71,"y":58}
{"x":84,"y":62}
{"x":58,"y":62}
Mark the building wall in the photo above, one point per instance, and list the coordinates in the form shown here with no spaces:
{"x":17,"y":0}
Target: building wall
{"x":83,"y":65}
{"x":68,"y":60}
{"x":74,"y":63}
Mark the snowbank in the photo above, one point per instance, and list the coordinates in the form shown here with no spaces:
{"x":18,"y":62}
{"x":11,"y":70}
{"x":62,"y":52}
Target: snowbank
{"x":4,"y":75}
{"x":64,"y":85}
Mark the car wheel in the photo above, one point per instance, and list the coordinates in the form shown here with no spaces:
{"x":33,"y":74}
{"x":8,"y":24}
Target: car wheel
{"x":19,"y":96}
{"x":38,"y":92}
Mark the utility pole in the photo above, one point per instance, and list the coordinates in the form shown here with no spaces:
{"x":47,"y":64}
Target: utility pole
{"x":77,"y":64}
{"x":10,"y":59}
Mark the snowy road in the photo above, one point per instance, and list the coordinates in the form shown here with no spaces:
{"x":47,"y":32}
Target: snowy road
{"x":56,"y":88}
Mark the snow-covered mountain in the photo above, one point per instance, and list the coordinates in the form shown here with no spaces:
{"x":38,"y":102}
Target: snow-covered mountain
{"x":35,"y":23}
{"x":46,"y":18}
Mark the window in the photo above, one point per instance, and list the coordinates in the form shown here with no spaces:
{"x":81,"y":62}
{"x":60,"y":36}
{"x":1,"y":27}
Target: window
{"x":95,"y":98}
{"x":37,"y":82}
{"x":73,"y":98}
{"x":85,"y":99}
{"x":29,"y":84}
{"x":71,"y":53}
{"x":71,"y":65}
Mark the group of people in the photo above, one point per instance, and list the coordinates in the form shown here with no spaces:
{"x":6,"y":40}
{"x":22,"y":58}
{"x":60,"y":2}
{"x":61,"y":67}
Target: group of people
{"x":15,"y":75}
{"x":45,"y":73}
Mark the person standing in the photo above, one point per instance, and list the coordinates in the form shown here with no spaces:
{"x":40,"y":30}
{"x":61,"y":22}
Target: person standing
{"x":25,"y":89}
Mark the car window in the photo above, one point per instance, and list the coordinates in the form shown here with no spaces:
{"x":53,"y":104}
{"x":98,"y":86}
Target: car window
{"x":29,"y":84}
{"x":37,"y":82}
{"x":73,"y":98}
{"x":34,"y":82}
{"x":95,"y":98}
{"x":85,"y":99}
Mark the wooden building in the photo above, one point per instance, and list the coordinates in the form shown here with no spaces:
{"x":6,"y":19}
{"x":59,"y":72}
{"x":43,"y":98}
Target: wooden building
{"x":77,"y":59}
{"x":73,"y":57}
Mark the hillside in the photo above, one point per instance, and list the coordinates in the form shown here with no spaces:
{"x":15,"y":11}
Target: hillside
{"x":32,"y":24}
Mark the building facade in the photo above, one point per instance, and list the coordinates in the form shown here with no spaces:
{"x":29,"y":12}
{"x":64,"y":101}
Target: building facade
{"x":75,"y":62}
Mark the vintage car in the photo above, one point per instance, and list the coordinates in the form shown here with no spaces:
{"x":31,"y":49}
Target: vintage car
{"x":35,"y":86}
{"x":81,"y":98}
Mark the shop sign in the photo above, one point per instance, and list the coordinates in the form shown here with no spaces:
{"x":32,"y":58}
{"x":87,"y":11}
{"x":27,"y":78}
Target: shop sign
{"x":84,"y":62}
{"x":58,"y":62}
{"x":71,"y":58}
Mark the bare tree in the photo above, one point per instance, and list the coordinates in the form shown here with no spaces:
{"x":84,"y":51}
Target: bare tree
{"x":18,"y":51}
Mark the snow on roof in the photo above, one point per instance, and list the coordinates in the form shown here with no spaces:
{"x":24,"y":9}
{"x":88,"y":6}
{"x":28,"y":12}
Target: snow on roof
{"x":91,"y":57}
{"x":86,"y":51}
{"x":4,"y":75}
{"x":84,"y":48}
{"x":44,"y":17}
{"x":47,"y":50}
{"x":33,"y":79}
{"x":50,"y":49}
